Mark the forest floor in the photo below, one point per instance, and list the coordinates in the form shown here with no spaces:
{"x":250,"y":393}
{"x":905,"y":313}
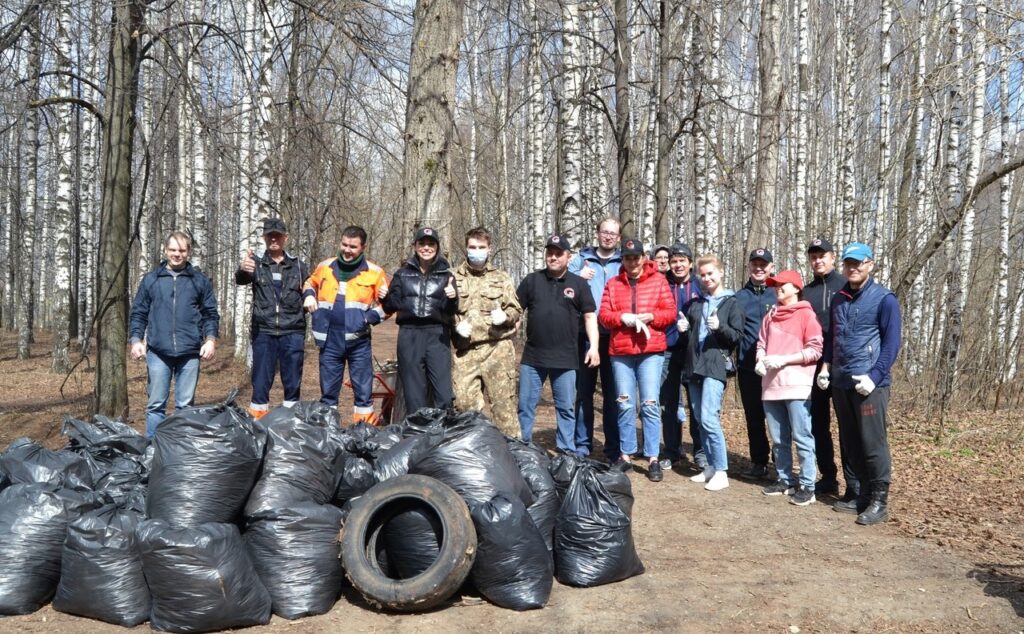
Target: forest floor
{"x":951,"y":559}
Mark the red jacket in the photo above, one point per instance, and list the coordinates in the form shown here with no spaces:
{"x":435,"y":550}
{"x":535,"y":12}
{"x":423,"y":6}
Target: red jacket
{"x":650,"y":295}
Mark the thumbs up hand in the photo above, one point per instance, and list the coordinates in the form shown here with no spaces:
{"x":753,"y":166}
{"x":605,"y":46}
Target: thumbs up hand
{"x":449,"y":290}
{"x":682,"y":323}
{"x":713,"y":322}
{"x":248,"y":262}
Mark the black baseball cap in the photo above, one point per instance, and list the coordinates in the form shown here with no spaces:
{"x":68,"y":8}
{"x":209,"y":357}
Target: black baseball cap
{"x":761,"y":254}
{"x":427,"y":232}
{"x":274,"y":225}
{"x":820,"y":244}
{"x":558,"y":241}
{"x":681,"y":248}
{"x":632,"y":246}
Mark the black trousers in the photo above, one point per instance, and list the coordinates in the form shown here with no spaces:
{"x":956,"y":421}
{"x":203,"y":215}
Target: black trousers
{"x":862,"y":430}
{"x":424,"y":356}
{"x":821,"y":428}
{"x":753,"y":411}
{"x":672,"y":412}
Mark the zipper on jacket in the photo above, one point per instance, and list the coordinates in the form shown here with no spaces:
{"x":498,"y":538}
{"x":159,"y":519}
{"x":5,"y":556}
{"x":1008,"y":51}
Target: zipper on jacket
{"x":174,"y":312}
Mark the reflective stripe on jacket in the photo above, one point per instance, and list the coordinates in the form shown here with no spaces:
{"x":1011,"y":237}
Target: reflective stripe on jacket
{"x":351,"y":305}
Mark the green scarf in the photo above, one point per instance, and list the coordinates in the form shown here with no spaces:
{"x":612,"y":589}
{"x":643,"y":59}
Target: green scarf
{"x":348,"y":269}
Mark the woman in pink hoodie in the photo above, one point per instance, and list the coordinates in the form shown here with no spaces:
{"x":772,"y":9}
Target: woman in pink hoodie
{"x":788,"y":347}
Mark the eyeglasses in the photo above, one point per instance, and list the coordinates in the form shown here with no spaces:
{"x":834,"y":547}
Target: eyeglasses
{"x":608,"y":234}
{"x":854,"y":264}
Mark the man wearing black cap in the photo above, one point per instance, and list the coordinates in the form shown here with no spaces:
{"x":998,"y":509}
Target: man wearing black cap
{"x":554,"y":301}
{"x":819,"y":292}
{"x":423,"y":294}
{"x":684,"y":289}
{"x":278,"y":328}
{"x":756,"y":303}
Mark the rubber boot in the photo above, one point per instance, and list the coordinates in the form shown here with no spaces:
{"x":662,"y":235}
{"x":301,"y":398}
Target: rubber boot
{"x":855,"y":500}
{"x":877,"y":511}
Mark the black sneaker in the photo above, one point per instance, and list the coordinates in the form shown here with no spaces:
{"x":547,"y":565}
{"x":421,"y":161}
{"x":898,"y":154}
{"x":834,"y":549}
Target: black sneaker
{"x":778,"y":488}
{"x":756,"y":472}
{"x":654,"y":472}
{"x":802,"y":497}
{"x":846,"y":506}
{"x":622,"y":465}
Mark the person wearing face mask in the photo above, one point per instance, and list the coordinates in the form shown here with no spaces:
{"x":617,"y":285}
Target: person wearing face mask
{"x":423,"y":294}
{"x":485,"y":357}
{"x":173,"y":325}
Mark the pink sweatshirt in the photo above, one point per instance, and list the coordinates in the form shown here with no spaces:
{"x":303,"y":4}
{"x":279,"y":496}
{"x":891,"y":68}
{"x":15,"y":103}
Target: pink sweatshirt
{"x":794,"y":333}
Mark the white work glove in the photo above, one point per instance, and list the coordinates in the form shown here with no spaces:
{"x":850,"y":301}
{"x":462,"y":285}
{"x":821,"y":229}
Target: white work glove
{"x":713,"y":321}
{"x":682,"y":324}
{"x":629,"y":320}
{"x":310,"y":303}
{"x":772,"y":361}
{"x":642,"y":327}
{"x":864,"y":384}
{"x":760,"y":368}
{"x":464,"y":328}
{"x":498,"y":317}
{"x":822,"y":379}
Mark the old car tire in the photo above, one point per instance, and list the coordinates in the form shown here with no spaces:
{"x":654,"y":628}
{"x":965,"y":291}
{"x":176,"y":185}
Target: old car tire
{"x":360,"y":549}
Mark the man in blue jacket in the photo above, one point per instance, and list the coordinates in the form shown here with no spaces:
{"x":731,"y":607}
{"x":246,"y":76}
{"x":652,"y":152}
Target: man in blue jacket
{"x":756,"y":300}
{"x":857,"y":362}
{"x":173,"y":324}
{"x":597,"y":265}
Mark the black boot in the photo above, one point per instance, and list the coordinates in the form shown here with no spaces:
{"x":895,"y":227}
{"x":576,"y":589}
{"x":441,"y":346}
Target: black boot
{"x":855,"y":500}
{"x":877,"y":511}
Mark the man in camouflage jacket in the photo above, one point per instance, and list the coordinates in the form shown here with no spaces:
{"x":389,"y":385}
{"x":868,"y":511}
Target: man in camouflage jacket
{"x":485,"y":357}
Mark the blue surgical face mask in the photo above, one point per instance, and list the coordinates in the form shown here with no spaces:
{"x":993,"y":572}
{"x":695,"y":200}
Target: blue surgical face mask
{"x":476,"y":257}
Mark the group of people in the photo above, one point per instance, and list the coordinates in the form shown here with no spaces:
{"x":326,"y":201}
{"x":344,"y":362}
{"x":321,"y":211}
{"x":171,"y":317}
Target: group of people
{"x":657,"y":329}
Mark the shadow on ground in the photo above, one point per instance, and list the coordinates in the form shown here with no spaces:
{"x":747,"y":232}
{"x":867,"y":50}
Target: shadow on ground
{"x":1004,"y":581}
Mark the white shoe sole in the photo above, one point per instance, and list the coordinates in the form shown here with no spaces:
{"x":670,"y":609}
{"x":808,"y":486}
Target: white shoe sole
{"x":716,"y":483}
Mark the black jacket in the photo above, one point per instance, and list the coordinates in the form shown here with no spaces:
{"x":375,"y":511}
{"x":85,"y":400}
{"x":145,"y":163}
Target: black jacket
{"x":755,"y":301}
{"x":709,"y":360}
{"x":174,"y":314}
{"x":273,"y":314}
{"x":419,"y":299}
{"x":819,"y":292}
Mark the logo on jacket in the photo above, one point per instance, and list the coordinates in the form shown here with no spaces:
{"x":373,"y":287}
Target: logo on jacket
{"x":570,"y":293}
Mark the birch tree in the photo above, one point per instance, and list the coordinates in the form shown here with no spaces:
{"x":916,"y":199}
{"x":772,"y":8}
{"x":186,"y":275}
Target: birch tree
{"x":62,"y":216}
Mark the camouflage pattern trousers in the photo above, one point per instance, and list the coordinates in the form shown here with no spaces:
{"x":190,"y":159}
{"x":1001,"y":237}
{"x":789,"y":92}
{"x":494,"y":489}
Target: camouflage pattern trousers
{"x":488,"y":369}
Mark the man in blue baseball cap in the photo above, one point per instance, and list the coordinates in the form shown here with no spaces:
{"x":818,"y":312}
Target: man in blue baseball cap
{"x":857,"y":362}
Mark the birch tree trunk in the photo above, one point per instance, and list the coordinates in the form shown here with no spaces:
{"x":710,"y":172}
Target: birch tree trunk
{"x":998,"y":310}
{"x":884,"y":99}
{"x":571,"y":207}
{"x":623,"y":59}
{"x":535,"y":149}
{"x":63,"y":224}
{"x":429,"y":115}
{"x":473,"y":22}
{"x":111,"y":392}
{"x":26,"y":286}
{"x":803,"y":87}
{"x":768,"y":124}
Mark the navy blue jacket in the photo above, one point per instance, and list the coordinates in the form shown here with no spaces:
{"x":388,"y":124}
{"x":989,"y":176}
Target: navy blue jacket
{"x":174,"y":314}
{"x":684,"y":294}
{"x":865,"y":337}
{"x":756,"y":302}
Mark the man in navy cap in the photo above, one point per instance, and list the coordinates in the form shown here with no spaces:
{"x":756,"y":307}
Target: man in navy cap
{"x":278,"y":327}
{"x":857,"y":363}
{"x":825,"y":283}
{"x":756,"y":301}
{"x":555,"y":302}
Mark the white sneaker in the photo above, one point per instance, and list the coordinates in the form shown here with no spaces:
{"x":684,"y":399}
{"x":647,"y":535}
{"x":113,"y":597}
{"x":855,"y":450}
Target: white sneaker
{"x":718,"y":481}
{"x":703,"y":476}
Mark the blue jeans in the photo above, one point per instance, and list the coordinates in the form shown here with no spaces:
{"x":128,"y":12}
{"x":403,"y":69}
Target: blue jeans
{"x":633,"y":373}
{"x":789,"y":422}
{"x":706,"y":395}
{"x":586,"y":383}
{"x":563,"y":389}
{"x":160,"y":369}
{"x":270,"y":352}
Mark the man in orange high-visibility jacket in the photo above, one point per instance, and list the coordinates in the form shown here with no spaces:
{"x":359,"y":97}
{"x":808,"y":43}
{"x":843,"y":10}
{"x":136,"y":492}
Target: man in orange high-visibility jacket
{"x":344,"y":293}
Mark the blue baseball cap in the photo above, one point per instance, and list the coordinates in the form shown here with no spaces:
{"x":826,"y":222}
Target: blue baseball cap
{"x":857,"y":251}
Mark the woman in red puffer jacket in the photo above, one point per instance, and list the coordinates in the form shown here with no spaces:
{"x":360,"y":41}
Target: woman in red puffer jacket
{"x":636,"y":308}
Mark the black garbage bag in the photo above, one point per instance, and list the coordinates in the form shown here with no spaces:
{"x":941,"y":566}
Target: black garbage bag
{"x":474,"y":460}
{"x":33,"y":522}
{"x":353,"y":477}
{"x":535,"y":466}
{"x":395,"y":460}
{"x":593,"y":535}
{"x":513,"y":567}
{"x":116,"y":453}
{"x":617,"y":484}
{"x":201,"y":578}
{"x":297,"y":555}
{"x":26,"y":461}
{"x":412,"y":541}
{"x":297,"y":466}
{"x":563,"y":468}
{"x":205,"y":464}
{"x":101,"y":571}
{"x":422,"y":419}
{"x":309,"y":412}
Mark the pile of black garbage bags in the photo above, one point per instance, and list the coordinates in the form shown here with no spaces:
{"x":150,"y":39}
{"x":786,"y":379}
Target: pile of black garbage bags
{"x":221,"y":520}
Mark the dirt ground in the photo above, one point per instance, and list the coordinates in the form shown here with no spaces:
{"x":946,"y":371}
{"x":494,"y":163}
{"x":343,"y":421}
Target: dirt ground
{"x":952,"y":558}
